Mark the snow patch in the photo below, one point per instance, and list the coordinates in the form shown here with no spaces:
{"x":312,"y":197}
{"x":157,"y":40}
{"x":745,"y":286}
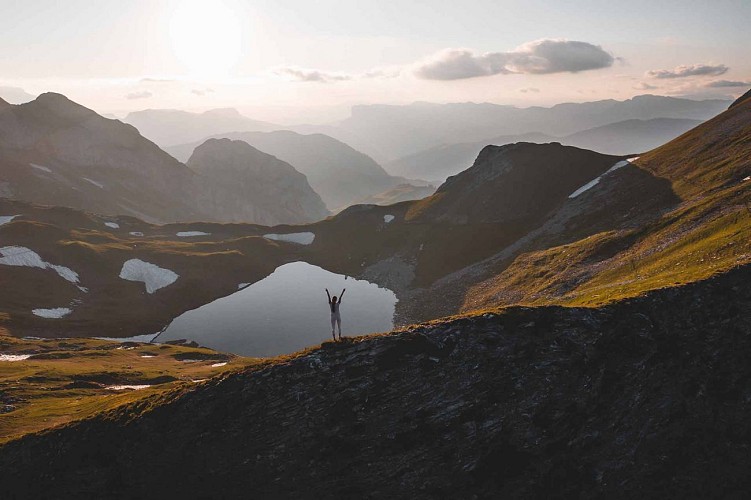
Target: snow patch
{"x":22,"y":256}
{"x":153,"y":276}
{"x":217,"y":365}
{"x":56,"y":313}
{"x":747,"y":178}
{"x":40,"y":167}
{"x":188,"y":234}
{"x":596,"y":180}
{"x":148,"y":355}
{"x":124,"y":387}
{"x":242,"y":285}
{"x":4,"y":219}
{"x":97,"y":184}
{"x":388,"y":218}
{"x":113,"y":225}
{"x":136,"y":233}
{"x":14,"y":357}
{"x":299,"y":238}
{"x":138,"y":338}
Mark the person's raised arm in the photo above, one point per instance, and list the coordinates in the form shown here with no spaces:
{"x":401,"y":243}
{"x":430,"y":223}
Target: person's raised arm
{"x":328,"y":295}
{"x":342,"y":295}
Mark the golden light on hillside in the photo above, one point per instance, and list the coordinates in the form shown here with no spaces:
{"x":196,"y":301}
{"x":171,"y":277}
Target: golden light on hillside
{"x":206,"y":37}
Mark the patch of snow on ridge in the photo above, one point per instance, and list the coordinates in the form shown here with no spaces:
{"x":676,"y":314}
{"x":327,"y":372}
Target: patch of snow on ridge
{"x":56,"y":313}
{"x":14,"y":357}
{"x":153,"y":276}
{"x":388,"y":218}
{"x":40,"y":167}
{"x":242,"y":285}
{"x":217,"y":365}
{"x":22,"y":256}
{"x":299,"y":238}
{"x":596,"y":180}
{"x":136,"y":233}
{"x":97,"y":184}
{"x":4,"y":219}
{"x":188,"y":234}
{"x":113,"y":225}
{"x":124,"y":387}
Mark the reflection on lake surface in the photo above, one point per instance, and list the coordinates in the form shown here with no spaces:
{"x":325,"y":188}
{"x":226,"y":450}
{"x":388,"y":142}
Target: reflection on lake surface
{"x":285,"y":312}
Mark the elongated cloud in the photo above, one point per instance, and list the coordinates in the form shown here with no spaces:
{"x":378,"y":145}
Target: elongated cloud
{"x":692,"y":70}
{"x":145,"y":94}
{"x":312,"y":75}
{"x":721,"y":84}
{"x":539,"y":57}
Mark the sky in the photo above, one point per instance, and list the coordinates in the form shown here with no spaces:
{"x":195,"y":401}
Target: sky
{"x":298,"y":61}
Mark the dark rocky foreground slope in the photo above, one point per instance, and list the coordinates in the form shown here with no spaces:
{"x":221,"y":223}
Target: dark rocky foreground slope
{"x":649,"y":397}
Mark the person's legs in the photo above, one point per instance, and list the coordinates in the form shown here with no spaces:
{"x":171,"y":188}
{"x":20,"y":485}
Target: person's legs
{"x":333,"y":325}
{"x":339,"y":324}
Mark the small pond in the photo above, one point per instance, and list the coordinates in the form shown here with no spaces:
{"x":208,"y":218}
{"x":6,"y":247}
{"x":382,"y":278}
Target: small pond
{"x":284,"y":312}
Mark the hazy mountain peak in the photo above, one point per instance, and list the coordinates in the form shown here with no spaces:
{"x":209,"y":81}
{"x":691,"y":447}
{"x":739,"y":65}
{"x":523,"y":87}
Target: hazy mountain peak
{"x":278,"y":193}
{"x":224,"y":112}
{"x":60,"y":106}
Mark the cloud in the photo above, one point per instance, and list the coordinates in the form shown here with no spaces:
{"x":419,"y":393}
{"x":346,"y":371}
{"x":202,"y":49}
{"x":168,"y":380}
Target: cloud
{"x":201,"y":92}
{"x":539,"y":58}
{"x":721,"y":84}
{"x":692,"y":70}
{"x":144,"y":94}
{"x":312,"y":75}
{"x":529,"y":89}
{"x":644,"y":86}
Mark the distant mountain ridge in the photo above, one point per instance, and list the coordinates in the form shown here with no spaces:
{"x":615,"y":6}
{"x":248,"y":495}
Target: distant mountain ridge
{"x":388,"y":132}
{"x":620,"y":138}
{"x":168,"y":127}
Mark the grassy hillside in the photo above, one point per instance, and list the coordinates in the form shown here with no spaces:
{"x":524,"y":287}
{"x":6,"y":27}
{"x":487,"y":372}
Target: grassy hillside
{"x":60,"y":381}
{"x":645,"y":397}
{"x":708,"y":230}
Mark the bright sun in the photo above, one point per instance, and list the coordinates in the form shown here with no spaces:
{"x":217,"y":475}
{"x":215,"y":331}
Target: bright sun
{"x":206,"y":37}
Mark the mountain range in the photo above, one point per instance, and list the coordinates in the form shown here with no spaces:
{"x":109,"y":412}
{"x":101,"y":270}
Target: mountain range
{"x":389,"y":132}
{"x":168,"y":127}
{"x":340,"y":174}
{"x":626,"y":137}
{"x":56,"y":152}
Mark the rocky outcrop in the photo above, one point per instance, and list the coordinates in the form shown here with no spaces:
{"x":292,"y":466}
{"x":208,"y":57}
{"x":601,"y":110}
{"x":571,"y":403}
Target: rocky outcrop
{"x":643,"y":398}
{"x":248,"y":184}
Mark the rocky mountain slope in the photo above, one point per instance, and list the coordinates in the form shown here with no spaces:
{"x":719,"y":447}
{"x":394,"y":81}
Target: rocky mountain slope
{"x":168,"y":127}
{"x":340,"y":174}
{"x":642,"y":398}
{"x":620,"y":138}
{"x":56,"y":152}
{"x":278,"y":191}
{"x":388,"y":132}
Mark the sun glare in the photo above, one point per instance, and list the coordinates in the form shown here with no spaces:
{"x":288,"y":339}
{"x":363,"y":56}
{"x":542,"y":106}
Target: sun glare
{"x":206,"y":37}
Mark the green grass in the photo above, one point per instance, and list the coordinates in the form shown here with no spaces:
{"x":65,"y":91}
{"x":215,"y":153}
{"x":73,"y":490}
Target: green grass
{"x":41,"y":391}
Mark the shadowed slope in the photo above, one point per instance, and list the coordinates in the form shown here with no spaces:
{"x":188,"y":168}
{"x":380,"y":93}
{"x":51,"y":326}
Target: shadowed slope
{"x":643,"y":397}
